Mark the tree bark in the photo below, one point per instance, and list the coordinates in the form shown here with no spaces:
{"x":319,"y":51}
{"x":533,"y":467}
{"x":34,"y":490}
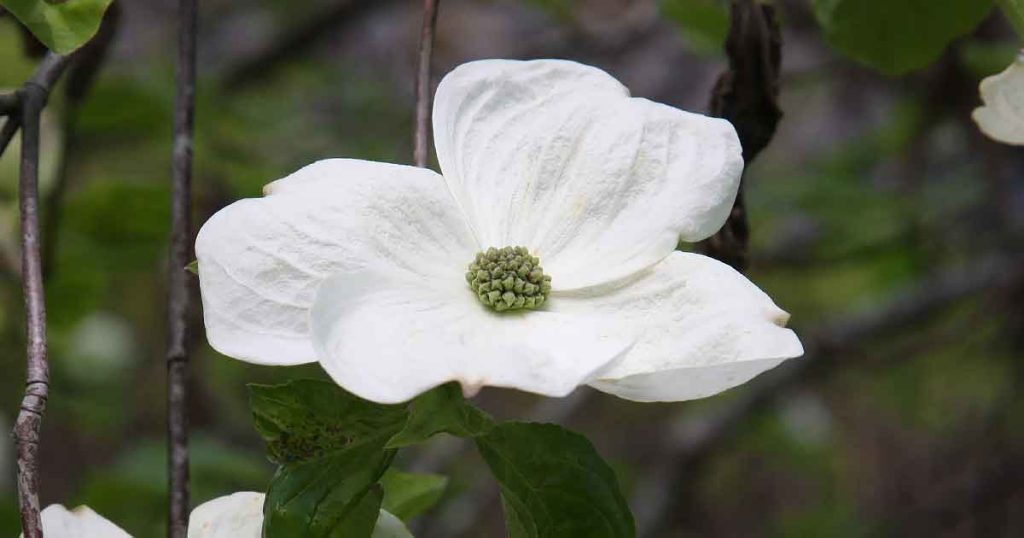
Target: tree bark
{"x":746,"y":94}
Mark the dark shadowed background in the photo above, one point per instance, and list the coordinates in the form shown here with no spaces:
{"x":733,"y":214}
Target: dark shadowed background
{"x":880,"y":218}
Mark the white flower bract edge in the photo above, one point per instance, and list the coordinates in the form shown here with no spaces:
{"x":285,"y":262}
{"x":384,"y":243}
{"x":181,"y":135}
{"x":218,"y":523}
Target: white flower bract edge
{"x":359,"y":265}
{"x":1001,"y":117}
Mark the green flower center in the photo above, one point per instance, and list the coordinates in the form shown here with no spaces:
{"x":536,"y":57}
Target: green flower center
{"x":508,"y":279}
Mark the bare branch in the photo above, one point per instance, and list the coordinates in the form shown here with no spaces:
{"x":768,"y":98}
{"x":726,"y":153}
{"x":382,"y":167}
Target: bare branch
{"x":178,"y":285}
{"x":746,"y":95}
{"x":421,"y":136}
{"x":695,"y":439}
{"x":33,"y":96}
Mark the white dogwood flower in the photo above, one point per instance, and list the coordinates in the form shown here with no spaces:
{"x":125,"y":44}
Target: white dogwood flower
{"x":1002,"y":116}
{"x":544,"y":257}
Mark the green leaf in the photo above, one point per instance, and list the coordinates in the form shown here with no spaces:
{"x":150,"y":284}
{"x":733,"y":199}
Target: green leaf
{"x":304,"y":419}
{"x":193,"y":267}
{"x":362,"y":520}
{"x":442,"y":409}
{"x":554,"y":484}
{"x":703,"y":23}
{"x":333,"y":496}
{"x":61,"y":26}
{"x":897,"y":36}
{"x":408,"y":495}
{"x":1014,"y":11}
{"x":330,"y":445}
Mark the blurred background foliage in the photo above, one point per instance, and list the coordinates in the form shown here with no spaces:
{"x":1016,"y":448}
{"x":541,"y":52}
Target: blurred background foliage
{"x":881,"y":219}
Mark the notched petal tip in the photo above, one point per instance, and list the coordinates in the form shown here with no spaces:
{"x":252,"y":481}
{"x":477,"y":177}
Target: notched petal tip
{"x":470,"y":389}
{"x":779,"y":317}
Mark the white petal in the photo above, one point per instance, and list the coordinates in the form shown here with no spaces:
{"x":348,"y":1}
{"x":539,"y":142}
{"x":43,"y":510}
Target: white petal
{"x":261,"y":260}
{"x":239,"y":515}
{"x":1002,"y":116}
{"x":82,"y":522}
{"x":701,"y":328}
{"x":389,"y":526}
{"x":555,"y":156}
{"x":387,"y":339}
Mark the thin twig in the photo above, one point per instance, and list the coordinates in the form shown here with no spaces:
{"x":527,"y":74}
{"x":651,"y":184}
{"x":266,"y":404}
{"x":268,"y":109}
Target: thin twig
{"x":421,"y":135}
{"x":33,"y":96}
{"x":746,"y":95}
{"x":695,"y":439}
{"x":178,"y":285}
{"x":10,"y":128}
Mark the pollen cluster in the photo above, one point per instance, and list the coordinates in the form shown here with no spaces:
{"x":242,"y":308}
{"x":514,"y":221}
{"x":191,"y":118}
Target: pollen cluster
{"x":508,"y":278}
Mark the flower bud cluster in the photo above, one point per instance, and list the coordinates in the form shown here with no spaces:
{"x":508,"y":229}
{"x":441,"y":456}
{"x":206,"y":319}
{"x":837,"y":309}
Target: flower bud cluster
{"x":508,"y":278}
